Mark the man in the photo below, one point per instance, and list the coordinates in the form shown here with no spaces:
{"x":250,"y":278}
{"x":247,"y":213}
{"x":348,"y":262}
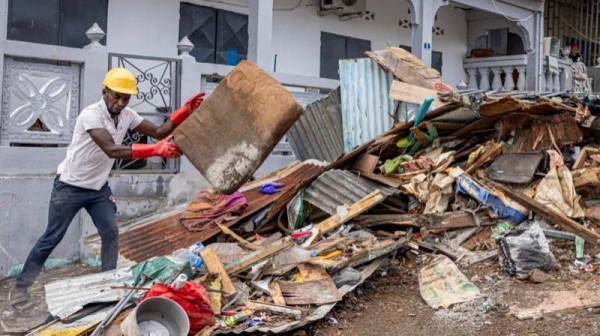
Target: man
{"x":81,"y":180}
{"x":580,"y":78}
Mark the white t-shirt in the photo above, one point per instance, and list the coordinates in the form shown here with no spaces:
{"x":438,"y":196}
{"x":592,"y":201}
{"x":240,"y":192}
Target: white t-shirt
{"x":86,"y":165}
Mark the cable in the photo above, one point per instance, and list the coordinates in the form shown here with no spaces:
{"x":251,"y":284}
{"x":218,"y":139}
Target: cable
{"x":244,"y":6}
{"x":576,"y":30}
{"x":516,"y":20}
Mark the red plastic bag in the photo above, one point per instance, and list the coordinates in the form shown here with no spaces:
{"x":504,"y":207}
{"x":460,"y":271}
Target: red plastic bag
{"x":193,"y":298}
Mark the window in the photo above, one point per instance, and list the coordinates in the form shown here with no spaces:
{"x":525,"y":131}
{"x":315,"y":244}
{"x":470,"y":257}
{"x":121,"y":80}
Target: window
{"x":57,"y":22}
{"x":336,"y":47}
{"x":436,"y":58}
{"x":219,"y":36}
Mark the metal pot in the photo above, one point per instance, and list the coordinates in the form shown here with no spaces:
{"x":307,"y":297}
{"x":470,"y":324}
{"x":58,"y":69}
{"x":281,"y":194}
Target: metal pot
{"x":156,"y":316}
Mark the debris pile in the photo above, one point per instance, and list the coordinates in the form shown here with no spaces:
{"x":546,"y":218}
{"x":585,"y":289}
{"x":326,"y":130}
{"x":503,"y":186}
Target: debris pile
{"x":472,"y":177}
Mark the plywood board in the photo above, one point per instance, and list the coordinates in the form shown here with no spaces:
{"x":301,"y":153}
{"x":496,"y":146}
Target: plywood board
{"x":316,"y":292}
{"x":558,"y":301}
{"x":409,"y":93}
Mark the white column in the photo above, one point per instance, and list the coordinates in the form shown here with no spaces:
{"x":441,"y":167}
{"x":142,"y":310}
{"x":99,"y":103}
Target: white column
{"x":509,"y":82}
{"x":497,"y":80}
{"x":423,"y":19}
{"x":472,"y":79}
{"x":549,"y":85}
{"x":556,"y":81}
{"x":485,"y":79}
{"x":522,"y":80}
{"x":260,"y":31}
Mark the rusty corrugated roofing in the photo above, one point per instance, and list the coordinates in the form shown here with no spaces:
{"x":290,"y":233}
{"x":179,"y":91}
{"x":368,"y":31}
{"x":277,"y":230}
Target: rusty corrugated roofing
{"x":338,"y":187}
{"x":164,"y":235}
{"x":317,"y":134}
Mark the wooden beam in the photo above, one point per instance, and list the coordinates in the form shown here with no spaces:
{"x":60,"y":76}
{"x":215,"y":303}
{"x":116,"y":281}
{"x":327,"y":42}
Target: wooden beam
{"x":553,"y":216}
{"x":354,"y":210}
{"x":243,"y":242}
{"x":257,"y":256}
{"x":275,"y":293}
{"x":214,"y":265}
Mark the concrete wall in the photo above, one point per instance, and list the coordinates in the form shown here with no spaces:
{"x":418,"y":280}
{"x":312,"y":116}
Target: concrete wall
{"x":151,"y":27}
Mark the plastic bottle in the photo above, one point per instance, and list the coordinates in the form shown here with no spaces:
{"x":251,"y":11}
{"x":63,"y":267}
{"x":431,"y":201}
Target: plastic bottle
{"x":196,"y":248}
{"x":238,"y":318}
{"x":192,"y":258}
{"x":179,"y":281}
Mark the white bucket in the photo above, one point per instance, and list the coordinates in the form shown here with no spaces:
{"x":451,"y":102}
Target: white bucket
{"x":156,"y":316}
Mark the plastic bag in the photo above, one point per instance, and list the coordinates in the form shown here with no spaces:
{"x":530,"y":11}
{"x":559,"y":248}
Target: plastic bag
{"x":524,"y":249}
{"x":193,"y":298}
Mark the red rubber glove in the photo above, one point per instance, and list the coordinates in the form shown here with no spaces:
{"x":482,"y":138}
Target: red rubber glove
{"x":163,"y":148}
{"x":179,"y":115}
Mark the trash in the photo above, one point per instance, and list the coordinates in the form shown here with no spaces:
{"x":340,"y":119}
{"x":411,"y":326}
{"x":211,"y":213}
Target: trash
{"x":211,"y":207}
{"x":579,"y":242}
{"x":558,"y":192}
{"x":332,"y":320}
{"x":270,"y":188}
{"x":441,"y":284}
{"x":160,"y":269}
{"x":515,"y":168}
{"x":187,"y":255}
{"x":501,"y":228}
{"x":238,"y":318}
{"x":524,"y":249}
{"x":347,"y":276}
{"x":192,"y":297}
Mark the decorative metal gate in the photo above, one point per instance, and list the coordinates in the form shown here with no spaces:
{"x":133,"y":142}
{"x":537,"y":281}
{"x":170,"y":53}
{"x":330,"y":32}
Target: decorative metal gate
{"x":159,"y":82}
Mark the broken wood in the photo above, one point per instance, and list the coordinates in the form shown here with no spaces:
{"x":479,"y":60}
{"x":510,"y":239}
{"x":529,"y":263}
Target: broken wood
{"x":553,"y":216}
{"x":476,"y":239}
{"x":354,"y":210}
{"x":275,"y":293}
{"x":464,"y":234}
{"x":414,"y":94}
{"x":243,"y":242}
{"x":312,"y":272}
{"x":499,"y":107}
{"x":273,"y":308}
{"x":491,"y":151}
{"x":586,"y":177}
{"x":432,"y":222}
{"x":257,"y":257}
{"x":214,"y":265}
{"x":318,"y":292}
{"x":366,"y":163}
{"x":583,"y":155}
{"x":406,"y":66}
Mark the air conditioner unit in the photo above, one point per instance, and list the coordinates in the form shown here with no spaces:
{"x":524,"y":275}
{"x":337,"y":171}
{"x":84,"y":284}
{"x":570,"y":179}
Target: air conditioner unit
{"x":343,"y":8}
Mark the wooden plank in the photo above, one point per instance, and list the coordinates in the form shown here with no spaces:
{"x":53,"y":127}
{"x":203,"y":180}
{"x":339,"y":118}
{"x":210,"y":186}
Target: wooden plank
{"x":558,"y":301}
{"x":464,"y":234}
{"x":490,"y":151}
{"x":275,"y":293}
{"x":583,"y":155}
{"x":406,"y":66}
{"x":354,"y":210}
{"x":479,"y":237}
{"x":366,"y":163}
{"x":277,"y":309}
{"x":312,"y":272}
{"x":499,"y":107}
{"x":243,"y":242}
{"x":420,"y":136}
{"x":257,"y":256}
{"x":409,"y":93}
{"x":553,"y":216}
{"x":214,"y":265}
{"x":318,"y":292}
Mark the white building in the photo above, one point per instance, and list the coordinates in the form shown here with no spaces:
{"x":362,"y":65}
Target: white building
{"x":52,"y":70}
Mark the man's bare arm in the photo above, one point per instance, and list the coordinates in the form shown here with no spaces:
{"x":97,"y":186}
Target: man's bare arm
{"x":105,"y":141}
{"x":157,"y":132}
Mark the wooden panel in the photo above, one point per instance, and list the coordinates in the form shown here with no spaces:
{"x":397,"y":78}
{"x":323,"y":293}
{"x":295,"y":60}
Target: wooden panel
{"x":317,"y":292}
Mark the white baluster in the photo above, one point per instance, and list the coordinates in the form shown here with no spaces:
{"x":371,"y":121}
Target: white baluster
{"x":472,"y":79}
{"x":497,"y":81}
{"x":563,"y":79}
{"x":485,"y":79}
{"x":185,"y":46}
{"x":509,"y":82}
{"x":94,"y":34}
{"x":555,"y":81}
{"x":548,"y":87}
{"x":522,"y":78}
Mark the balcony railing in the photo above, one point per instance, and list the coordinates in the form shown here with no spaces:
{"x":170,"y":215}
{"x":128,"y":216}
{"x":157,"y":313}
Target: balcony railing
{"x":509,"y":73}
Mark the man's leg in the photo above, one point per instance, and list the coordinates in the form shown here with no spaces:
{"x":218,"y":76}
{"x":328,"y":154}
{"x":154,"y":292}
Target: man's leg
{"x":103,"y":211}
{"x":64,"y":204}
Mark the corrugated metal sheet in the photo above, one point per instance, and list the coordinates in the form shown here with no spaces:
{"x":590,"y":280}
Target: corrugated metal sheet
{"x":66,"y":297}
{"x":338,"y":187}
{"x":318,"y":132}
{"x":142,"y":240}
{"x":367,"y":109}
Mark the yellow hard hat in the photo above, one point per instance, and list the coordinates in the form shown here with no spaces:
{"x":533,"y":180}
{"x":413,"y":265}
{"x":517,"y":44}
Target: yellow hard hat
{"x":120,"y":80}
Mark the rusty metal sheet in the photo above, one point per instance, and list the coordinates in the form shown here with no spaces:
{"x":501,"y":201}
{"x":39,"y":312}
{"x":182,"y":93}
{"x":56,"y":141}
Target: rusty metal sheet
{"x":515,"y":168}
{"x":230,"y":135}
{"x":165,"y":235}
{"x":340,"y":187}
{"x":318,"y":132}
{"x":367,"y":109}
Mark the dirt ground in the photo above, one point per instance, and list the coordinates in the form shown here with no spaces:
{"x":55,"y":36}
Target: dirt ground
{"x":389,"y":303}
